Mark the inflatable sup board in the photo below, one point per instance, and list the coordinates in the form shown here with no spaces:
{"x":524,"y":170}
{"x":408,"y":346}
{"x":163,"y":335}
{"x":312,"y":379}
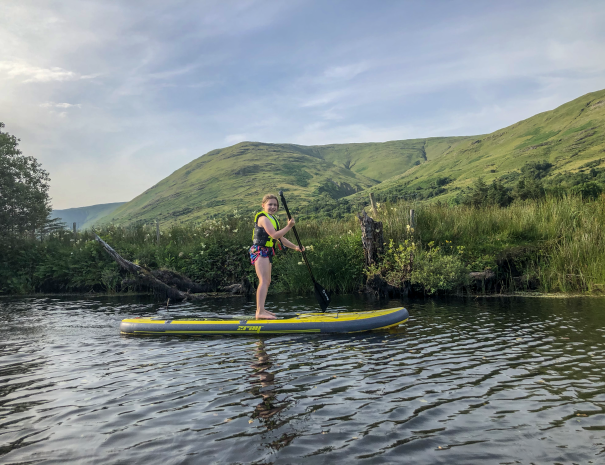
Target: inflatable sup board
{"x":343,"y":322}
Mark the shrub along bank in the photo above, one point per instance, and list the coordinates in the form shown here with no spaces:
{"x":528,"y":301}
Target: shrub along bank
{"x":555,"y":244}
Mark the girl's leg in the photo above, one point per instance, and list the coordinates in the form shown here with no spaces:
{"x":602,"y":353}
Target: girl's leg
{"x":263,"y":271}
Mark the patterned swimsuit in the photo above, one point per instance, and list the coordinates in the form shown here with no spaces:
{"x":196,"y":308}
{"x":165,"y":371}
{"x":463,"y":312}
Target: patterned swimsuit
{"x":257,"y":251}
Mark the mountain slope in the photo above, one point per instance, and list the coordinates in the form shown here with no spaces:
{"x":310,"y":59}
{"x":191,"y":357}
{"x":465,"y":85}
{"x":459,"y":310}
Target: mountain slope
{"x":383,"y":160}
{"x":568,"y":137}
{"x":85,"y":217}
{"x":237,"y":177}
{"x":571,"y":138}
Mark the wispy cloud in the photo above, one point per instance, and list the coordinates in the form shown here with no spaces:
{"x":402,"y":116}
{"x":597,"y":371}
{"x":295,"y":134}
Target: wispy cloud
{"x":322,"y":99}
{"x":345,"y":72}
{"x":153,"y":91}
{"x":236,"y":138}
{"x":60,"y":105}
{"x":29,"y":73}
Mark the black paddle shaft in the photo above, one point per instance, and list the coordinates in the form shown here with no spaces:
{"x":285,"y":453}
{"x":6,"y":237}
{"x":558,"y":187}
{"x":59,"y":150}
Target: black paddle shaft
{"x":322,"y":296}
{"x":283,"y":201}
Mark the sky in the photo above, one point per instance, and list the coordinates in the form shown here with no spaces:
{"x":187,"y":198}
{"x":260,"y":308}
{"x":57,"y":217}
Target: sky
{"x":113,"y":96}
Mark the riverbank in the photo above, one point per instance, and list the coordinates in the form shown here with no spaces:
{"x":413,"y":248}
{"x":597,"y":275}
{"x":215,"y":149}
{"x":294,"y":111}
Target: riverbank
{"x":555,"y":245}
{"x":221,"y":295}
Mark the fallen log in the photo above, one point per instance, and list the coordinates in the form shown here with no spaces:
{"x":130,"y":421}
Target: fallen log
{"x":484,"y":281}
{"x":181,"y":282}
{"x":145,"y":278}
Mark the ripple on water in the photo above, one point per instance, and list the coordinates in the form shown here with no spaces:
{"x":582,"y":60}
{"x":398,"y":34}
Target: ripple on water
{"x":492,"y":381}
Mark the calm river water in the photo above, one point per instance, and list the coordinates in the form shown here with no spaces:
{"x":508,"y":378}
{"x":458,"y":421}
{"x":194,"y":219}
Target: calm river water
{"x":497,"y":380}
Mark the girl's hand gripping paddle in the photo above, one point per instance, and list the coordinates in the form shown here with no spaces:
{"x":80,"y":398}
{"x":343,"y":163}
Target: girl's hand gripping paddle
{"x":322,"y":296}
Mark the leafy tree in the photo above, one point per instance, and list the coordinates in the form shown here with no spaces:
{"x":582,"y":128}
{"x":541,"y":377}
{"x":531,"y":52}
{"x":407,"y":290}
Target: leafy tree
{"x":24,"y":201}
{"x":498,"y":195}
{"x":482,"y":195}
{"x":587,"y":190}
{"x":441,"y":181}
{"x":528,"y":189}
{"x":536,"y":169}
{"x":478,"y":195}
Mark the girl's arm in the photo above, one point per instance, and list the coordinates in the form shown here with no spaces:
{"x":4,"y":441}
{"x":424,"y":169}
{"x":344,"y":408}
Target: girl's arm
{"x":264,"y":222}
{"x":289,"y":244}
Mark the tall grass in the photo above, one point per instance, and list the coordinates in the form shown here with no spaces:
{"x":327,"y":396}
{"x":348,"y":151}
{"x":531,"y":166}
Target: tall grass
{"x":559,"y":241}
{"x":558,"y":244}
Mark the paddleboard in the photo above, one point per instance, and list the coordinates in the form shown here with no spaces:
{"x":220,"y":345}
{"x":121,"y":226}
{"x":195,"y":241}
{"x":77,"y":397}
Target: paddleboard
{"x":341,"y":322}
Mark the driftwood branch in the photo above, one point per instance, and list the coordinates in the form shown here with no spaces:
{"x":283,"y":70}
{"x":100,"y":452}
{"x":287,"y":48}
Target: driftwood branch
{"x":146,"y":278}
{"x":181,"y":282}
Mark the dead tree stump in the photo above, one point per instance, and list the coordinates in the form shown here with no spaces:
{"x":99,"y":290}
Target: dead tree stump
{"x":371,"y":238}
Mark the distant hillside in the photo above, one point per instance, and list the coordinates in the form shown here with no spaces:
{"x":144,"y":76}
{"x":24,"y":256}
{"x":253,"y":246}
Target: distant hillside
{"x":85,"y":217}
{"x":237,"y":177}
{"x":571,"y":138}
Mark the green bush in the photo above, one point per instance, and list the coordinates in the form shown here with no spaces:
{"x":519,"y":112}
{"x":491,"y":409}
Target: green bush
{"x":437,"y":271}
{"x":396,"y":264}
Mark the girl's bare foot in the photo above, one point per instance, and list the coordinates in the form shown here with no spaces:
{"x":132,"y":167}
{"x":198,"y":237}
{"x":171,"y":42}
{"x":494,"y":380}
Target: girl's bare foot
{"x":264,"y":315}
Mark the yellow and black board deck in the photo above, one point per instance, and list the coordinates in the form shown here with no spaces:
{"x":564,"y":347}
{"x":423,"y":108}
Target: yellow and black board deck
{"x":342,"y":322}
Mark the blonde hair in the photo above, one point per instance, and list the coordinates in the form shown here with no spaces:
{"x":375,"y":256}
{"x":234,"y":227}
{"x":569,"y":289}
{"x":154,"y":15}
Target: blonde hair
{"x":268,"y":197}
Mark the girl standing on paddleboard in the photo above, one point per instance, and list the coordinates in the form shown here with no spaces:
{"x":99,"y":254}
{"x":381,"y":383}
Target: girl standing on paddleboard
{"x":266,"y":232}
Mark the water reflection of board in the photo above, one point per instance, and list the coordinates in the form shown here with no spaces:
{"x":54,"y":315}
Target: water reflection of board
{"x":343,"y":322}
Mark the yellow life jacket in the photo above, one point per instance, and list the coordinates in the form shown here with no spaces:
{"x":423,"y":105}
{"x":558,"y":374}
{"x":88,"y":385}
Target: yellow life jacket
{"x":259,"y":235}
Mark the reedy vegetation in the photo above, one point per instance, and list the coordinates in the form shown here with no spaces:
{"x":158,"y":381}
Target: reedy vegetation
{"x":556,"y":244}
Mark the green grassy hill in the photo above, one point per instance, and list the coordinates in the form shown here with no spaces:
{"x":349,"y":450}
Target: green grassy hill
{"x":85,"y":217}
{"x":570,"y":138}
{"x":237,"y":177}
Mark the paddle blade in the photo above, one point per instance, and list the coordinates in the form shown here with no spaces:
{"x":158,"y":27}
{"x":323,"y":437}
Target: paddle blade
{"x":322,"y":296}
